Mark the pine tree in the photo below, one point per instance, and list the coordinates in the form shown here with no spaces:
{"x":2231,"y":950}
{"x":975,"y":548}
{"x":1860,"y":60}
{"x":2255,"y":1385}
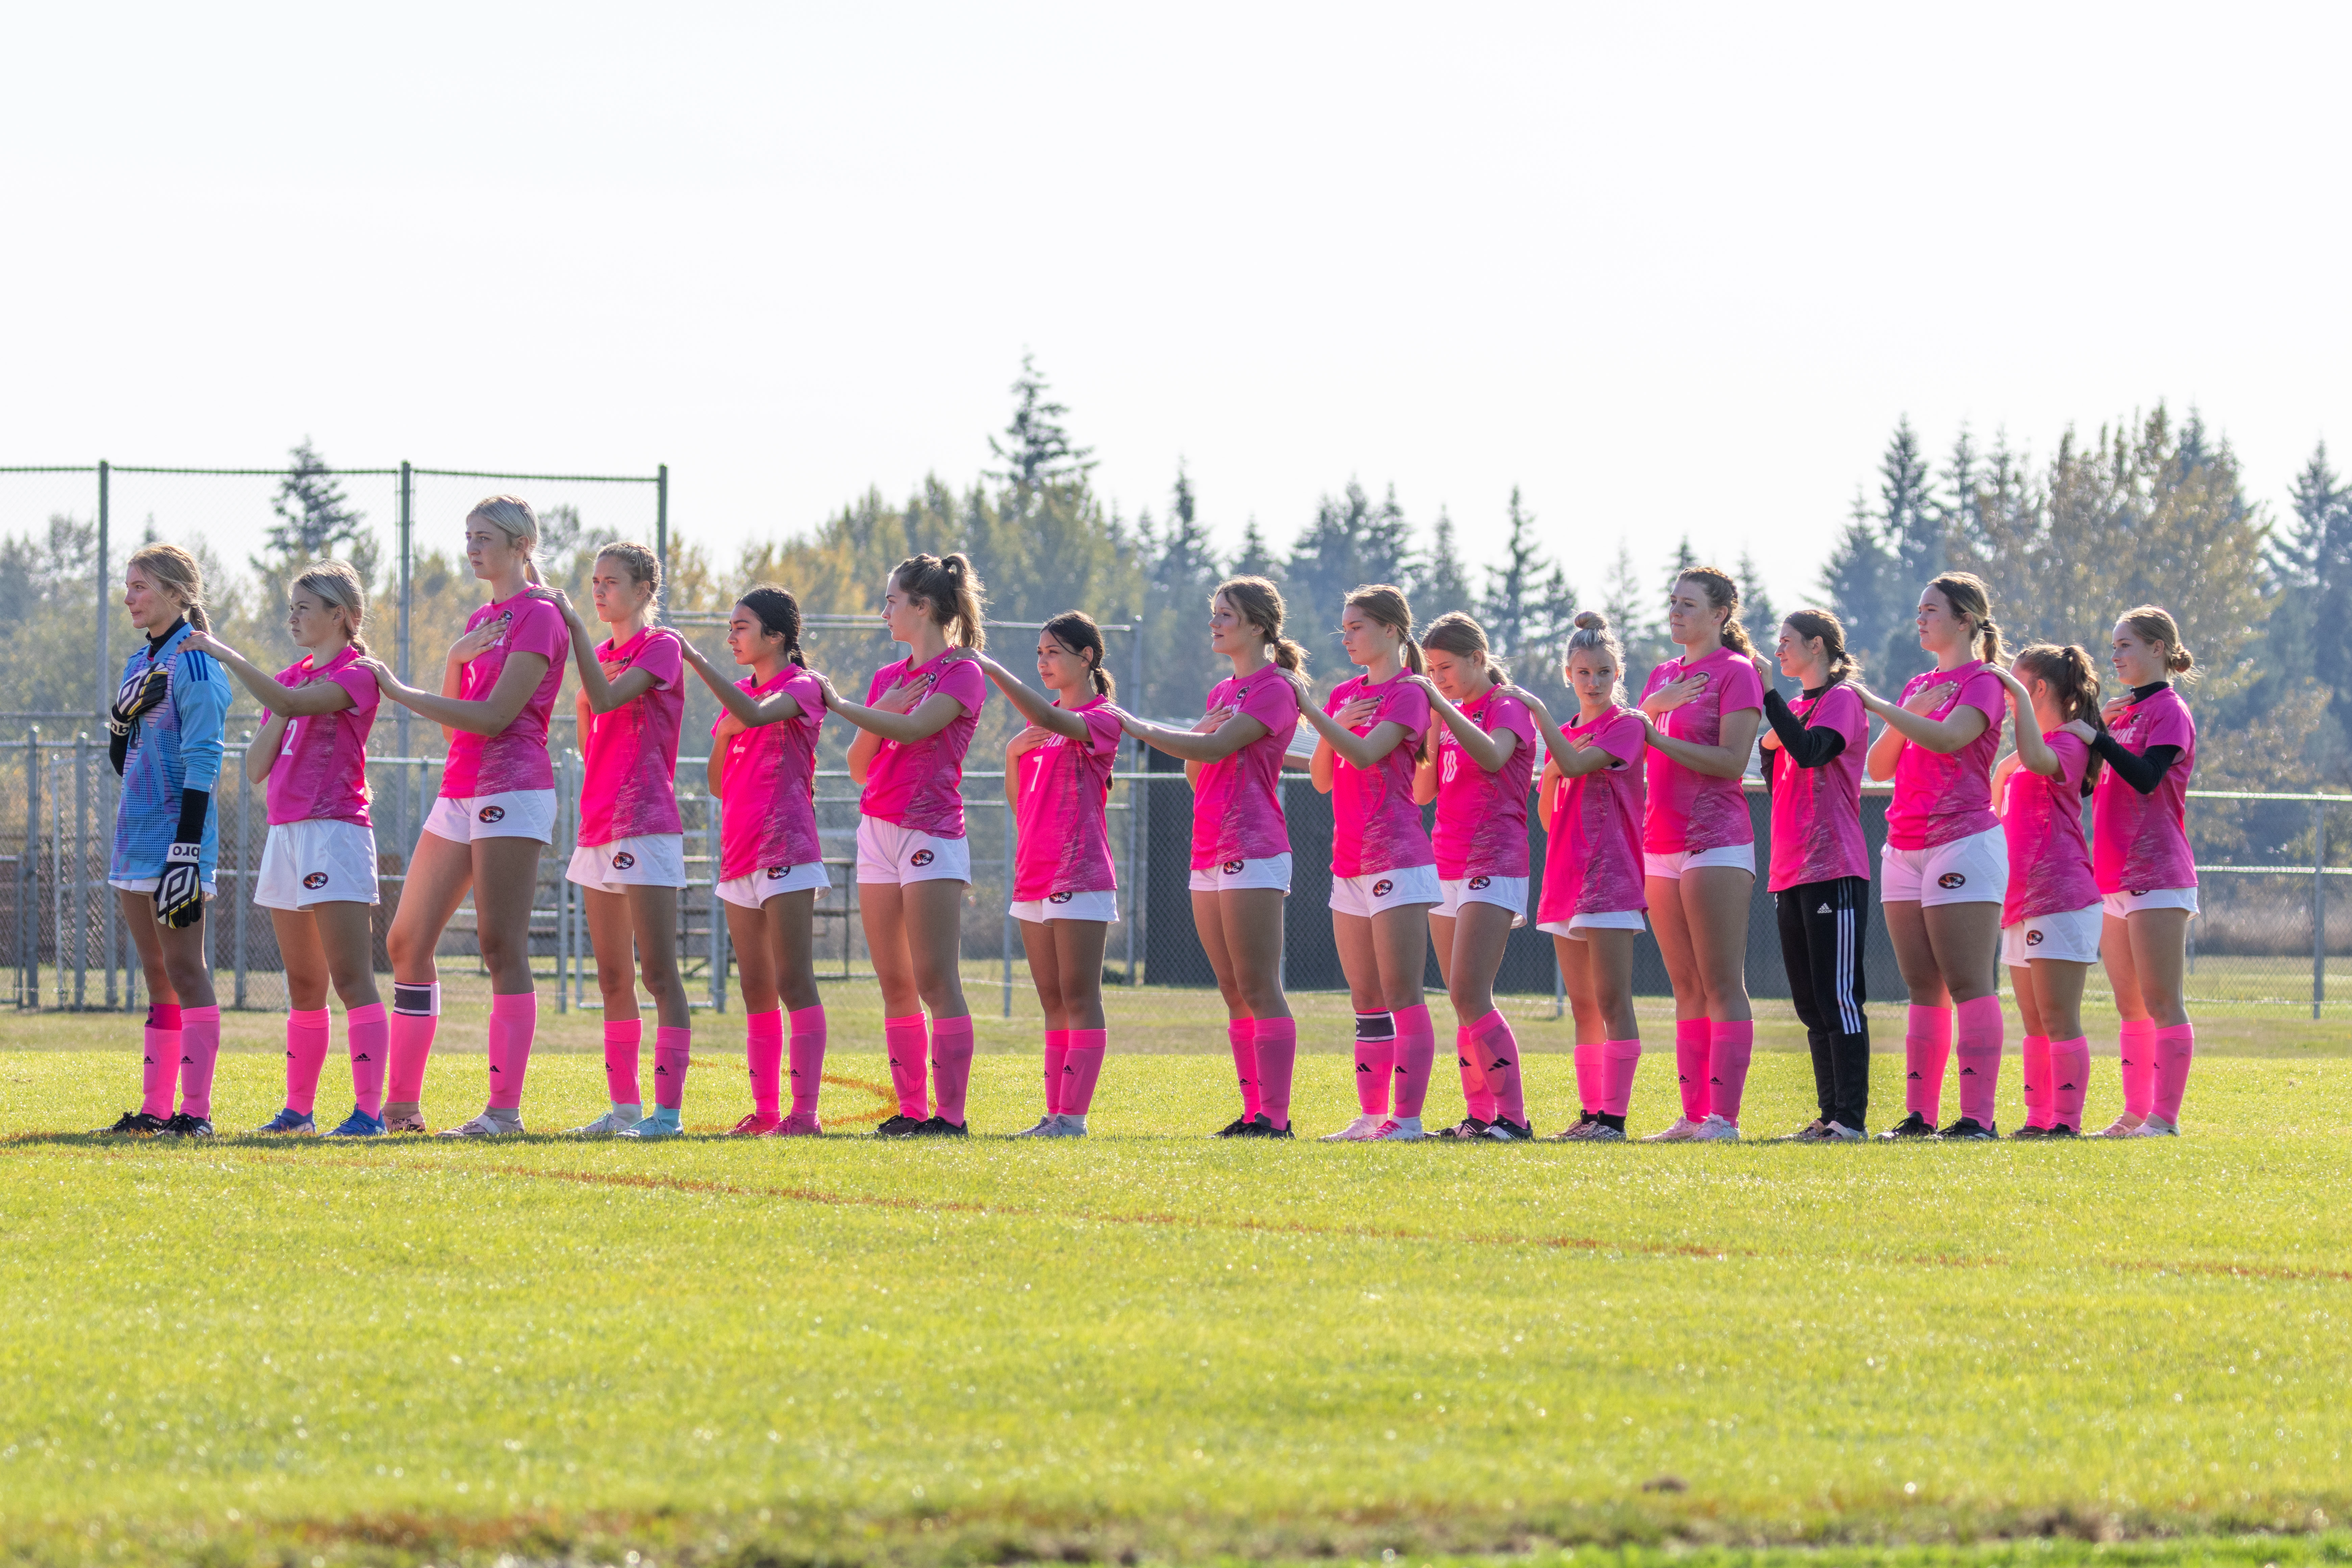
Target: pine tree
{"x":2312,"y":558}
{"x":1512,"y":608}
{"x":316,"y":521}
{"x":1257,"y":559}
{"x":1439,"y":584}
{"x":1758,"y":615}
{"x":1629,"y":604}
{"x":1036,"y":451}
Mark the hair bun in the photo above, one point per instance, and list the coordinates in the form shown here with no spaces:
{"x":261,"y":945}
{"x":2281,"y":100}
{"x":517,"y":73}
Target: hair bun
{"x":1593,"y":621}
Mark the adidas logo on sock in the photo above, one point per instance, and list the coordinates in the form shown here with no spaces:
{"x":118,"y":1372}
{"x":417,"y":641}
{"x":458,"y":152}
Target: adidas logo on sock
{"x":1913,"y":1077}
{"x":2065,"y":1089}
{"x":1363,"y":1066}
{"x":1968,"y":1072}
{"x":660,"y":1071}
{"x":1498,"y":1066}
{"x":362,"y":1056}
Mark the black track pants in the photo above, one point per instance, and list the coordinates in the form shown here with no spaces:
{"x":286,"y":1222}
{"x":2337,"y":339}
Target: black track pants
{"x":1821,"y":941}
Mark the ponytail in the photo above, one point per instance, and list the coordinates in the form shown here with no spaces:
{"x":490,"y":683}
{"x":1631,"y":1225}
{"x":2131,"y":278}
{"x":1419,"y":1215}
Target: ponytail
{"x":2073,"y":680}
{"x":176,"y":571}
{"x":1259,"y":602}
{"x":1826,"y":628}
{"x":951,"y":590}
{"x":338,"y":587}
{"x":1971,"y":600}
{"x":1464,"y":637}
{"x":1592,"y":635}
{"x":1076,"y":630}
{"x":1722,"y":594}
{"x":779,"y":615}
{"x":2154,"y":624}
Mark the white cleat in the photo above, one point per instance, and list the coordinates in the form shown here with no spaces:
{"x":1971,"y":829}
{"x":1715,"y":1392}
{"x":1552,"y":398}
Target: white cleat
{"x":612,"y":1124}
{"x":2154,"y":1127}
{"x":1716,"y":1129}
{"x":2124,"y":1126}
{"x":1682,"y":1132}
{"x":1362,"y":1129}
{"x":1839,"y":1132}
{"x":489,"y":1124}
{"x":1068,"y":1126}
{"x":1048,"y":1126}
{"x":1400,"y":1130}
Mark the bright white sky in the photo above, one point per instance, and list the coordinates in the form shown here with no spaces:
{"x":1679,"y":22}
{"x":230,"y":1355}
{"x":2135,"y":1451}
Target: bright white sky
{"x":1670,"y":269}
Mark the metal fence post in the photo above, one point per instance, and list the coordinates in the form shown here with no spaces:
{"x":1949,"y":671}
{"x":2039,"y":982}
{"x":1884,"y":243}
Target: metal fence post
{"x":244,"y":836}
{"x":661,"y":516}
{"x":1138,"y":807}
{"x":1005,"y":932}
{"x":106,"y":676}
{"x":2318,"y":905}
{"x":58,"y":881}
{"x":711,"y":830}
{"x":81,"y":867}
{"x":112,"y":933}
{"x":406,"y":492}
{"x":28,"y":880}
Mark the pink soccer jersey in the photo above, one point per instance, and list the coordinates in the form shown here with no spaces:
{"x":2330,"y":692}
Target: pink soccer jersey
{"x":920,"y":785}
{"x":516,"y":757}
{"x":1817,"y":812}
{"x":629,"y":769}
{"x":2141,"y":841}
{"x":1064,"y":843}
{"x":1592,"y":858}
{"x":1691,"y":810}
{"x":1482,"y":818}
{"x":767,"y":816}
{"x":1943,"y":796}
{"x":1375,"y":826}
{"x":2049,"y":864}
{"x":1237,"y":803}
{"x":321,"y":772}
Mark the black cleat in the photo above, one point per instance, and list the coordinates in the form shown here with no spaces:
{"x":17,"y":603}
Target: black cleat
{"x":1262,"y":1126}
{"x":2061,"y":1130}
{"x":135,"y":1124}
{"x":900,"y":1126}
{"x":1502,"y":1129}
{"x":1237,"y":1128}
{"x":1468,"y":1127}
{"x":1912,"y":1126}
{"x":186,"y":1126}
{"x":938,"y":1127}
{"x":1966,"y":1131}
{"x":2030,"y":1130}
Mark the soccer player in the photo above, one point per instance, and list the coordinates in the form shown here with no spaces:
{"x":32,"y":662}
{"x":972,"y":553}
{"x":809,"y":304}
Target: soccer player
{"x":913,"y":860}
{"x":1241,"y":844}
{"x":2049,"y":921}
{"x":1592,"y":799}
{"x":1057,"y":782}
{"x":496,"y":813}
{"x":1698,"y":846}
{"x":1820,"y":869}
{"x":1944,"y":874}
{"x":165,"y":729}
{"x":2147,"y":877}
{"x":1383,"y":867}
{"x":318,"y":869}
{"x":630,"y":860}
{"x":1478,"y":774}
{"x":762,"y":771}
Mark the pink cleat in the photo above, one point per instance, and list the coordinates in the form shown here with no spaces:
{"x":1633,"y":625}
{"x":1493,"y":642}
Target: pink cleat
{"x":799,"y":1124}
{"x":753,"y":1126}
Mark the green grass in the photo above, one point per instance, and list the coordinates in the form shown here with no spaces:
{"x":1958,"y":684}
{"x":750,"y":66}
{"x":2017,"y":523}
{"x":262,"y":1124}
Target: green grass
{"x":1148,"y":1344}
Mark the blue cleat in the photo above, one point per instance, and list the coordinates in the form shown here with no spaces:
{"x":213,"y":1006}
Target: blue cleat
{"x":359,"y":1124}
{"x":290,"y":1120}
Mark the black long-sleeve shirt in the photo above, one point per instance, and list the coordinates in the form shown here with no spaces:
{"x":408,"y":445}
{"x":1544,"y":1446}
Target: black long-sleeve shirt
{"x":1807,"y":747}
{"x":2141,"y":770}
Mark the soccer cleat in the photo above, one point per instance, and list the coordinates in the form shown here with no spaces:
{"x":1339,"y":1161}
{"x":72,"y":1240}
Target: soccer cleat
{"x":1262,"y":1126}
{"x":900,"y":1126}
{"x":1468,"y":1127}
{"x":1813,"y":1132}
{"x":1398,"y":1130}
{"x":1912,"y":1126}
{"x":2029,"y":1130}
{"x":1839,"y":1132}
{"x":1363,"y":1129}
{"x":1602,"y":1132}
{"x":655,"y":1127}
{"x":1968,"y":1130}
{"x":186,"y":1126}
{"x":2122,"y":1126}
{"x":485,"y":1125}
{"x":1068,"y":1126}
{"x":799,"y":1124}
{"x":1716,"y":1129}
{"x":754,"y":1126}
{"x":940,"y":1127}
{"x":1047,"y":1126}
{"x":1682,"y":1132}
{"x":359,"y":1124}
{"x":2156,"y":1127}
{"x":1579,"y":1129}
{"x":407,"y":1118}
{"x":134,"y":1124}
{"x":1237,"y":1128}
{"x":1502,"y":1129}
{"x":290,"y":1120}
{"x":612,"y":1124}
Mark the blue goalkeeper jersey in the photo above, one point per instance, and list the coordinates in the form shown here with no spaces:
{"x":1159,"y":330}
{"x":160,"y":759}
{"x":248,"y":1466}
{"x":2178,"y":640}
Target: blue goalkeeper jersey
{"x":174,"y":746}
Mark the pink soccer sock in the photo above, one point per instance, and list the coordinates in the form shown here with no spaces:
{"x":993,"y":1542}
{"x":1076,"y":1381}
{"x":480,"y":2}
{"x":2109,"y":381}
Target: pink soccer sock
{"x":1619,"y":1060}
{"x":1690,"y":1066}
{"x":1277,"y":1055}
{"x":2135,"y":1053}
{"x":1730,"y":1046}
{"x":2033,"y":1071}
{"x":1588,"y":1070}
{"x":673,"y":1052}
{"x":1241,"y":1033}
{"x":1498,"y":1058}
{"x":1083,"y":1062}
{"x":1926,"y":1046}
{"x":199,"y":1054}
{"x":1375,"y":1058}
{"x":622,"y":1042}
{"x":808,"y":1057}
{"x":513,"y":1020}
{"x":2175,"y":1048}
{"x":950,"y":1065}
{"x":159,"y":1073}
{"x":306,"y":1038}
{"x":1476,"y":1097}
{"x":368,"y":1033}
{"x":1416,"y":1057}
{"x":415,"y":1010}
{"x":763,"y":1052}
{"x":906,"y":1041}
{"x":2070,"y":1076}
{"x":1058,"y":1051}
{"x":1978,"y":1050}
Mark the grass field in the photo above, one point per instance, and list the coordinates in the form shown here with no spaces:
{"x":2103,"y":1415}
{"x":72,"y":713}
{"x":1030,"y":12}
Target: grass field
{"x":1149,"y":1345}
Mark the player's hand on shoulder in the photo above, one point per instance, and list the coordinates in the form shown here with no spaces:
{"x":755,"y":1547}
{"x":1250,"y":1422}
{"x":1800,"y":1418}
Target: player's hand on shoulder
{"x":203,"y":641}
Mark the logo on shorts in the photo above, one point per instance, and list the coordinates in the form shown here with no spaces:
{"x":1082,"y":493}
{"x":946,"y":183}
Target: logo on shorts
{"x":2033,"y":937}
{"x":1061,"y":898}
{"x":1480,"y":884}
{"x":623,"y":860}
{"x":1951,"y":880}
{"x":315,"y":880}
{"x":776,"y":873}
{"x":1383,"y":887}
{"x":1232,"y":867}
{"x":920,"y":857}
{"x":491,"y":814}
